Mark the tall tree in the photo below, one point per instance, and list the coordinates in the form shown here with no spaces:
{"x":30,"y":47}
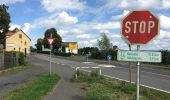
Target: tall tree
{"x":104,"y":42}
{"x":39,"y":44}
{"x":57,"y":39}
{"x":4,"y":23}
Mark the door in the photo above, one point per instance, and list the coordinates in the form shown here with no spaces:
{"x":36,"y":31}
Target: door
{"x":25,"y":52}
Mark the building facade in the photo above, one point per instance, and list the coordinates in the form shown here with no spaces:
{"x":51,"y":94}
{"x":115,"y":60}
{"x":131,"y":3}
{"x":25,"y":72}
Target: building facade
{"x":70,"y":47}
{"x":17,"y":40}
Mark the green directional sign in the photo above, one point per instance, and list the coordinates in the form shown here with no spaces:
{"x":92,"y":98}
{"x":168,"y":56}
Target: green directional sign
{"x":135,"y":56}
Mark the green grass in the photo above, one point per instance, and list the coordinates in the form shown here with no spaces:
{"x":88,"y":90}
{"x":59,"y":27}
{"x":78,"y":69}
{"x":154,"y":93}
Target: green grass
{"x":34,"y":90}
{"x":101,"y":88}
{"x":14,"y":70}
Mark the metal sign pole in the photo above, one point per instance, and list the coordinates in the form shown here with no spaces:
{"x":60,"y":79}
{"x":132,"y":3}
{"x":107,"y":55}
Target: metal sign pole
{"x":87,"y":58}
{"x":50,"y":53}
{"x":138,"y":78}
{"x":109,"y":61}
{"x":130,"y":66}
{"x":50,"y":59}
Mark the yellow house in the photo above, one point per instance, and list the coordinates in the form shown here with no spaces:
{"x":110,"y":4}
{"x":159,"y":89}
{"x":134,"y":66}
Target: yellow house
{"x":17,"y":40}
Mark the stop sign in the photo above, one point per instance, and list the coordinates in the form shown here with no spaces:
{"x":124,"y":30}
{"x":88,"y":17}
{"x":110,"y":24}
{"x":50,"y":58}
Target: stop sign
{"x":139,"y":27}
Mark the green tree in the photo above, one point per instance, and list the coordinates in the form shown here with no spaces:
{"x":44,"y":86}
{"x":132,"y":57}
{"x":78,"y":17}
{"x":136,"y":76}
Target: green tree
{"x":39,"y":44}
{"x":57,"y":39}
{"x":4,"y":23}
{"x":104,"y":42}
{"x":32,"y":49}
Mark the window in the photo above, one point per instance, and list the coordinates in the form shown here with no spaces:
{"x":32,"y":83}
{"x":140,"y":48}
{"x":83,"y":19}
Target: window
{"x":14,"y":49}
{"x":25,"y":43}
{"x":20,"y":36}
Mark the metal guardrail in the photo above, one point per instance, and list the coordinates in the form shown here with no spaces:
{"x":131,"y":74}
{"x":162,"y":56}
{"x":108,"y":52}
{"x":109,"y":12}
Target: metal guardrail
{"x":99,"y":67}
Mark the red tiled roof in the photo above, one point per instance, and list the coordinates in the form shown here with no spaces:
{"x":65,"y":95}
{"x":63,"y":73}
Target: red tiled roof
{"x":10,"y":33}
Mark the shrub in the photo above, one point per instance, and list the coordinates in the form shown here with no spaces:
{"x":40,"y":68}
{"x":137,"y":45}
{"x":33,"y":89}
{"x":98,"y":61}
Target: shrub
{"x":21,"y":59}
{"x":44,"y":52}
{"x":62,"y":54}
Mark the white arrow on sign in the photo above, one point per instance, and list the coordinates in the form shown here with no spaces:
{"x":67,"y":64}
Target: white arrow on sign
{"x":50,"y":40}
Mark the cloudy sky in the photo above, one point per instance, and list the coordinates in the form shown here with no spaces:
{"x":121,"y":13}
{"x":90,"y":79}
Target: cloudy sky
{"x":85,"y":20}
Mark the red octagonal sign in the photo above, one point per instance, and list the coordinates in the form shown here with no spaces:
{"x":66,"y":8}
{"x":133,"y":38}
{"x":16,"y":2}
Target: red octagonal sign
{"x":139,"y":27}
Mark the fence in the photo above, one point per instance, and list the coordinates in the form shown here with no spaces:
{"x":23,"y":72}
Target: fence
{"x":1,"y":59}
{"x":11,"y":59}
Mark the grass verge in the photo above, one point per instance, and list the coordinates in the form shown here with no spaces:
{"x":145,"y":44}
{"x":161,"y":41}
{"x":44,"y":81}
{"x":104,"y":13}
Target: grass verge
{"x":14,"y":70}
{"x":102,"y":88}
{"x":34,"y":90}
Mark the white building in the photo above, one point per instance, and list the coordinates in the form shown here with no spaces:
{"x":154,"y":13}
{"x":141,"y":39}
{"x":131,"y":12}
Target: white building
{"x":70,"y":47}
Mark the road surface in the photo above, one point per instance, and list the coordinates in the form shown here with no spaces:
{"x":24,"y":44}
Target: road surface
{"x":153,"y":80}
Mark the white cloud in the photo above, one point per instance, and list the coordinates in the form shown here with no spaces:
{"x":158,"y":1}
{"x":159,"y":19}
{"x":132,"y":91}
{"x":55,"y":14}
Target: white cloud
{"x":13,"y":26}
{"x":163,"y":34}
{"x":107,"y":26}
{"x":55,"y":19}
{"x":26,"y":28}
{"x":165,"y":4}
{"x":165,"y":22}
{"x":78,"y":31}
{"x":84,"y":36}
{"x":138,"y":4}
{"x":55,"y":5}
{"x":10,"y":1}
{"x":125,"y":12}
{"x":65,"y":18}
{"x":90,"y":43}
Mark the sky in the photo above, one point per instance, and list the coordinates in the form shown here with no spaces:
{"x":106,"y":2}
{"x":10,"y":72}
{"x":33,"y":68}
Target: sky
{"x":84,"y":21}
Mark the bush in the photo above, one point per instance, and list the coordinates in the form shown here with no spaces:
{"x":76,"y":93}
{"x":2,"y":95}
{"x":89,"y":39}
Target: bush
{"x":62,"y":54}
{"x":103,"y":54}
{"x":21,"y":59}
{"x":44,"y":52}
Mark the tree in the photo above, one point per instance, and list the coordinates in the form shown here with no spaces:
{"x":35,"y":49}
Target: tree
{"x":104,"y":43}
{"x":39,"y":44}
{"x":4,"y":23}
{"x":32,"y":49}
{"x":57,"y":39}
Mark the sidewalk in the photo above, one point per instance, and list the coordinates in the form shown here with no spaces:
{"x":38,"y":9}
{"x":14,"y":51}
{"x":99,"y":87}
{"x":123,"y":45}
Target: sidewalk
{"x":11,"y":82}
{"x":64,"y":90}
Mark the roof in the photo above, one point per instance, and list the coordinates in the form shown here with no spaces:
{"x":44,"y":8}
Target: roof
{"x":67,"y":43}
{"x":10,"y":33}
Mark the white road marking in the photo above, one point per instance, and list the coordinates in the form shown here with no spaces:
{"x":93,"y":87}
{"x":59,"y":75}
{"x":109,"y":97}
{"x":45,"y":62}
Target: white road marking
{"x":87,"y":62}
{"x":127,"y":80}
{"x":140,"y":84}
{"x":132,"y":82}
{"x":107,"y":66}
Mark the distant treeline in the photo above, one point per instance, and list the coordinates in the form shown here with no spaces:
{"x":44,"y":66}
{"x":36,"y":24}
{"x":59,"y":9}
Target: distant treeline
{"x":95,"y":53}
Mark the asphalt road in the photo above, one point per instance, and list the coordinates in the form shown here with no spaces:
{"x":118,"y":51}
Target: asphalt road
{"x":153,"y":80}
{"x":144,"y":67}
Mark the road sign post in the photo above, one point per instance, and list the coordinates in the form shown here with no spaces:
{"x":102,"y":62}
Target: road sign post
{"x":129,"y":65}
{"x":138,"y":76}
{"x":109,"y":57}
{"x":50,"y":41}
{"x":139,"y":27}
